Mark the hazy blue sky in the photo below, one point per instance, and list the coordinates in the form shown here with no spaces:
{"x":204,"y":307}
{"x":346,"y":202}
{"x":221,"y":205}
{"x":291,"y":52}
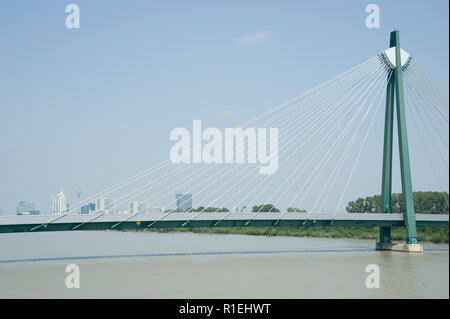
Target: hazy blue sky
{"x":93,"y":106}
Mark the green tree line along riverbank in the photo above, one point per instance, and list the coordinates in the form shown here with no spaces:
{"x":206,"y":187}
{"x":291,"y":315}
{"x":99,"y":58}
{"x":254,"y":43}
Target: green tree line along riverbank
{"x":424,"y":202}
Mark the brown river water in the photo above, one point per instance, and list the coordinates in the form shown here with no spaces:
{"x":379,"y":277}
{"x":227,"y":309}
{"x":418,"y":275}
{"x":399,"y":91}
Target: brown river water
{"x":185,"y":265}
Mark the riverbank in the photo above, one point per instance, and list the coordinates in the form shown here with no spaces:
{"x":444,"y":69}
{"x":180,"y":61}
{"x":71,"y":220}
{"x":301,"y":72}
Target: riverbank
{"x":425,"y":234}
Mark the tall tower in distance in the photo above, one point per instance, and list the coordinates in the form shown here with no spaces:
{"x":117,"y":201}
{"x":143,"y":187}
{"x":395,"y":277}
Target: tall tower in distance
{"x":105,"y":204}
{"x":59,"y":203}
{"x":184,"y":201}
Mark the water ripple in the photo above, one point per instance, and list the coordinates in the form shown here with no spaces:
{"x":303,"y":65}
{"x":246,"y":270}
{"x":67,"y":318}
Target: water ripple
{"x":207,"y":253}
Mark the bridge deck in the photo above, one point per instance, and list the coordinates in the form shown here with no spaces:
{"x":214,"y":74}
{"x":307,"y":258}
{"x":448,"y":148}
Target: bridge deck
{"x":101,"y":221}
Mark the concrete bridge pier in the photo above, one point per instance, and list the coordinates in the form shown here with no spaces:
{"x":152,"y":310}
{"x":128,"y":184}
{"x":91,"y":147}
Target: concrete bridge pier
{"x":409,"y":248}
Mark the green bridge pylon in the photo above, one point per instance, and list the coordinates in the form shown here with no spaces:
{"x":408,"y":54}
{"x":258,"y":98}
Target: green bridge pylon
{"x":395,"y":89}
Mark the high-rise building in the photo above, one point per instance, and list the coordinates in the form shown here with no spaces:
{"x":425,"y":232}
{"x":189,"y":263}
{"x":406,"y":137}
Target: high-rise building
{"x":59,"y":203}
{"x":86,"y":209}
{"x":27,"y":208}
{"x":135,"y":207}
{"x":184,"y":201}
{"x":105,"y":204}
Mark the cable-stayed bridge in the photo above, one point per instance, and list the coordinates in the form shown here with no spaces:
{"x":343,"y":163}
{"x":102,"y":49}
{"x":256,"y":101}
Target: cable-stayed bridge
{"x":328,"y":137}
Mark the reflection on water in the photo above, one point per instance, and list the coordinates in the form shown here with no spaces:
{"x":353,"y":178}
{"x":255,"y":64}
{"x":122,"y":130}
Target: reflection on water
{"x":183,"y":265}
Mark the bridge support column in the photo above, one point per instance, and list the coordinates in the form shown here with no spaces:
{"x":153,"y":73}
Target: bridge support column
{"x":395,"y":87}
{"x":410,"y":248}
